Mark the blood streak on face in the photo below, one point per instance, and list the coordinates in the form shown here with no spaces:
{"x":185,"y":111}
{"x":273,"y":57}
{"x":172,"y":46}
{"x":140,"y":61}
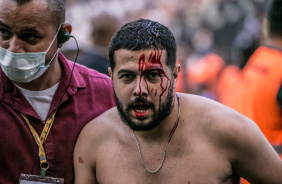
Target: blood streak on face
{"x":154,"y":62}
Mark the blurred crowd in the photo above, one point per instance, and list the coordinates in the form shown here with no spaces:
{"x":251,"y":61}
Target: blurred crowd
{"x":210,"y":34}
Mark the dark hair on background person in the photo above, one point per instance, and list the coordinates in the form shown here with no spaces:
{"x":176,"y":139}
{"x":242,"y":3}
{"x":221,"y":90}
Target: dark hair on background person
{"x":275,"y":18}
{"x":57,"y":8}
{"x":144,"y":34}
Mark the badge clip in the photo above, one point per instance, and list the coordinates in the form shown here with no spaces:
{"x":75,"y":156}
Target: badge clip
{"x":44,"y":166}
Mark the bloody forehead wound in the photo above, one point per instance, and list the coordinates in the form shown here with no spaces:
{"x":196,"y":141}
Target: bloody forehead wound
{"x":144,"y":34}
{"x":152,"y":33}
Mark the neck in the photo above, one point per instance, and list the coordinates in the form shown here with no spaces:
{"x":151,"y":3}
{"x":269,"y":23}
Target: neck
{"x":163,"y":131}
{"x":51,"y":77}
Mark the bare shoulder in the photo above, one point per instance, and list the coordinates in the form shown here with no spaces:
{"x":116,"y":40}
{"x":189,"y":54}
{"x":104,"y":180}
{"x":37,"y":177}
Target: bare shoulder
{"x":227,"y":128}
{"x":236,"y":137}
{"x":102,"y":127}
{"x":215,"y":118}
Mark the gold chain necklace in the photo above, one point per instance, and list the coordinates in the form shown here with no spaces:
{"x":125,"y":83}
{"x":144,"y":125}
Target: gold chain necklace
{"x":169,"y":138}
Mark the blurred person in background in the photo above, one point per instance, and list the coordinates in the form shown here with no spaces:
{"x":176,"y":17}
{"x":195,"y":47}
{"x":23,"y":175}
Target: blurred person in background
{"x":260,"y":94}
{"x":203,"y":65}
{"x":103,"y":28}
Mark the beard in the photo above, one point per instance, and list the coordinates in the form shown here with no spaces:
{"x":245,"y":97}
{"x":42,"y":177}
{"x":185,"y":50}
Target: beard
{"x":157,"y":117}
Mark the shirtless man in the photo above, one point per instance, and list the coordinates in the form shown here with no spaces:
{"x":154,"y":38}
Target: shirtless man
{"x":156,"y":135}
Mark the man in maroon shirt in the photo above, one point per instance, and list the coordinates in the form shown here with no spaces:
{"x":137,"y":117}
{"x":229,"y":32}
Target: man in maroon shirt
{"x":37,"y":83}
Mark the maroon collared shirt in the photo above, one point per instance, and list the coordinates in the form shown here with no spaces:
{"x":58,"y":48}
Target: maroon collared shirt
{"x":89,"y":94}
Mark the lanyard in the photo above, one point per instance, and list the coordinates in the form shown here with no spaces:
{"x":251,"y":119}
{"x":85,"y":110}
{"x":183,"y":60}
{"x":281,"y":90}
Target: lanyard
{"x":40,"y":140}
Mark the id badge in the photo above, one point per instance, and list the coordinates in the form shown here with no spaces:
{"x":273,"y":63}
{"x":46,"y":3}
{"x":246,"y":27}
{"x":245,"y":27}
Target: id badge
{"x":34,"y":179}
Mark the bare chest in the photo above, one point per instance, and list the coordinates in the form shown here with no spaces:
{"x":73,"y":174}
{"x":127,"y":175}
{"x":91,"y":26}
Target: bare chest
{"x":183,"y":163}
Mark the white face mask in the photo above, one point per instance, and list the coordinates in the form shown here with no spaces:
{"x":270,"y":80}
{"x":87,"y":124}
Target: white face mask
{"x":24,"y":67}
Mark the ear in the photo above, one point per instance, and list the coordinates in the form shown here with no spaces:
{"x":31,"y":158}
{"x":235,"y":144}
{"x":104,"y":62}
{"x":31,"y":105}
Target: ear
{"x":67,"y":27}
{"x":110,"y":72}
{"x":176,"y":71}
{"x":64,"y":34}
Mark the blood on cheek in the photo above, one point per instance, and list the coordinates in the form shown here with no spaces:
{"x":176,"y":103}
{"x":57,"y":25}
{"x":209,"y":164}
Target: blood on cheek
{"x":154,"y":62}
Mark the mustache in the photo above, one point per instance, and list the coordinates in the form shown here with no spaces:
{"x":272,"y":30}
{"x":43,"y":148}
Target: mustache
{"x":140,"y":100}
{"x":144,"y":101}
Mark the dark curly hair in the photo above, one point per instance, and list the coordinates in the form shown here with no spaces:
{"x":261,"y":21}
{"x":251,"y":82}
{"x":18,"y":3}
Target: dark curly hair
{"x":144,"y":34}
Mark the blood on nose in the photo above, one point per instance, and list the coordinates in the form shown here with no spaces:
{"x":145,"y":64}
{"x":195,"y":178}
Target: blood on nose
{"x":142,"y":87}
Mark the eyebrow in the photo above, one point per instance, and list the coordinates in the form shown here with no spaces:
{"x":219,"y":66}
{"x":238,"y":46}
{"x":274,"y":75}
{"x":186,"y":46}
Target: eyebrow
{"x":124,"y":71}
{"x":144,"y":72}
{"x":29,"y":29}
{"x":23,"y":29}
{"x":4,"y":25}
{"x":159,"y":69}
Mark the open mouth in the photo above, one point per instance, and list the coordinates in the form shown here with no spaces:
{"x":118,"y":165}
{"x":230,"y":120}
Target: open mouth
{"x":140,"y":110}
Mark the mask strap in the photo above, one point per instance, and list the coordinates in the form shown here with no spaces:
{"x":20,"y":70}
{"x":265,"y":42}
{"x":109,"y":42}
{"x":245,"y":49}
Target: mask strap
{"x":54,"y":38}
{"x":52,"y":58}
{"x":52,"y":44}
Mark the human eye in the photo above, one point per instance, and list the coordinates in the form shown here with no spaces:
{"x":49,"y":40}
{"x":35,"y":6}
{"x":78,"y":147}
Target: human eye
{"x":153,"y":76}
{"x":126,"y":76}
{"x":30,"y":38}
{"x":5,"y":34}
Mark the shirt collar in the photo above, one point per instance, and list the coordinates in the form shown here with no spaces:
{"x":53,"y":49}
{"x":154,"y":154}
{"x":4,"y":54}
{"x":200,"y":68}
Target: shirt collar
{"x":11,"y":95}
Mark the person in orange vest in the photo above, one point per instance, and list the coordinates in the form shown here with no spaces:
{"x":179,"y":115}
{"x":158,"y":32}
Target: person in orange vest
{"x":260,"y":96}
